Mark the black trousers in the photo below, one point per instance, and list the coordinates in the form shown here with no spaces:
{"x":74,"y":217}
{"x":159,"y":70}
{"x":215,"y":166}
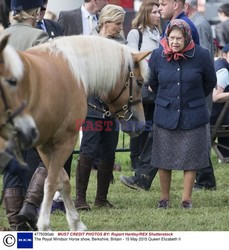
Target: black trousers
{"x":104,"y":139}
{"x":145,"y":167}
{"x":137,"y":143}
{"x":205,"y":177}
{"x":21,"y":180}
{"x":224,"y":141}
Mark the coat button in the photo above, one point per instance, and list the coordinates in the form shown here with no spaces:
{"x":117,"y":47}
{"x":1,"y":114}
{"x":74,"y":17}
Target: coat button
{"x":178,"y":83}
{"x":178,"y":110}
{"x":178,"y":69}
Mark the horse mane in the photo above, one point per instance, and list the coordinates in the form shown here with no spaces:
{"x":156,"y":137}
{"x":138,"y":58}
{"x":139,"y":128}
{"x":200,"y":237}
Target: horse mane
{"x":95,"y":61}
{"x":13,"y":62}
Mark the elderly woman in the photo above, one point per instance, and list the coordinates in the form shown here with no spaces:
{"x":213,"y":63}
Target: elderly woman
{"x":100,"y":141}
{"x":182,"y":75}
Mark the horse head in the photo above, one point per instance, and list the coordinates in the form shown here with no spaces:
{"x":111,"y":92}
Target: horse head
{"x":17,"y":126}
{"x":127,"y":104}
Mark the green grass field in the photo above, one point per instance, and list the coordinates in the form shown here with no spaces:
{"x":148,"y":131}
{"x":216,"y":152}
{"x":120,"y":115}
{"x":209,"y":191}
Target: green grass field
{"x":136,"y":210}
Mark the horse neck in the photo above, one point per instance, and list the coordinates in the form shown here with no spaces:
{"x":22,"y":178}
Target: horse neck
{"x":25,"y":84}
{"x":105,"y":89}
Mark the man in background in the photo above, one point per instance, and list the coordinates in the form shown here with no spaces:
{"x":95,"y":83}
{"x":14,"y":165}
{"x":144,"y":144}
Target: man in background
{"x":205,"y":178}
{"x":81,"y":21}
{"x":222,"y":29}
{"x":51,"y":27}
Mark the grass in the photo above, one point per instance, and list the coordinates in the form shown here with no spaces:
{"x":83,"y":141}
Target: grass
{"x":136,"y":210}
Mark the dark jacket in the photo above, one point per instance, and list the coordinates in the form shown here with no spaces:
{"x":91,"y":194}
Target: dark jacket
{"x":71,"y":22}
{"x":53,"y":28}
{"x":222,"y":32}
{"x":181,"y":88}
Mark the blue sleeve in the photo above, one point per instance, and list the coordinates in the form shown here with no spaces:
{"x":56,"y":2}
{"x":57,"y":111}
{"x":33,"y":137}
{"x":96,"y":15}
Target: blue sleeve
{"x":209,"y":76}
{"x":153,"y":79}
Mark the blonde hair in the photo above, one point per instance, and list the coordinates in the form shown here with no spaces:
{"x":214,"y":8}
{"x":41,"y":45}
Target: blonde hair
{"x":111,"y":13}
{"x":22,"y":15}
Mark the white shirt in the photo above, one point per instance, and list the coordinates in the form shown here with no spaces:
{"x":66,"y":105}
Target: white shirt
{"x":222,"y":78}
{"x":87,"y":26}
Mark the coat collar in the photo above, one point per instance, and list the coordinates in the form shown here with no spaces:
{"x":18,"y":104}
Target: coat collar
{"x":189,"y":53}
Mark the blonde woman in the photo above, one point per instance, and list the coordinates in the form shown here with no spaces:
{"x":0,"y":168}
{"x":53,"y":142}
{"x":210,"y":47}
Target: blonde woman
{"x":100,"y":143}
{"x":23,"y":35}
{"x":111,"y":23}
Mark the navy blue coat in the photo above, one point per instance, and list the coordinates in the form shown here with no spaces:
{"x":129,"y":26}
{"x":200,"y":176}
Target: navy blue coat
{"x":181,"y":87}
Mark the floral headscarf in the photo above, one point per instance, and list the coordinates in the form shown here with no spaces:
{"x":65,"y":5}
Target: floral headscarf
{"x":188,"y":42}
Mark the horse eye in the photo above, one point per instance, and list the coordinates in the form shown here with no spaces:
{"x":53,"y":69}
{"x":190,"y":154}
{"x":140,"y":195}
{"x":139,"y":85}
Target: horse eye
{"x":12,"y":81}
{"x":139,"y":83}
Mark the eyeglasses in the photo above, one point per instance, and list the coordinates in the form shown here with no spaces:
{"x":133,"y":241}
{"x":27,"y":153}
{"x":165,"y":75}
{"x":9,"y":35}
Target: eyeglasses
{"x":178,"y":39}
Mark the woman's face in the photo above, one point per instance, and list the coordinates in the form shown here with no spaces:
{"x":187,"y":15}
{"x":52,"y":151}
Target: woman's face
{"x":176,"y":40}
{"x":154,"y":16}
{"x":113,"y":29}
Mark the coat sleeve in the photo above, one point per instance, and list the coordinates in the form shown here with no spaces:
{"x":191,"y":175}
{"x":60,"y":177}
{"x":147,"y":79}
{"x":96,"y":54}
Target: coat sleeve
{"x":61,"y":21}
{"x":4,"y":160}
{"x":42,"y":37}
{"x":209,"y":75}
{"x":153,"y":77}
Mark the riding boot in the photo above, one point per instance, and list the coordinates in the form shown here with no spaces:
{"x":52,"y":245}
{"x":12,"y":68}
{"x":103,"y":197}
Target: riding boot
{"x":13,"y":200}
{"x":34,"y":197}
{"x":104,"y":178}
{"x":83,"y":171}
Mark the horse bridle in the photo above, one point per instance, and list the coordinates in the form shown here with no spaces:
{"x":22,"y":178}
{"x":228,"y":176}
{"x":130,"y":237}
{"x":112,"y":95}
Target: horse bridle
{"x":10,"y":114}
{"x":128,"y":113}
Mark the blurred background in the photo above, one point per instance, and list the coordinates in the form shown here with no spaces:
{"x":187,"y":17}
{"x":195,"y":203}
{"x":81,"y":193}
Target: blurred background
{"x":207,"y":7}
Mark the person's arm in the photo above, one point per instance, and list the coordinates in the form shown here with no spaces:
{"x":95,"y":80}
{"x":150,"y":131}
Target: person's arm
{"x":219,"y":95}
{"x":153,"y":79}
{"x":4,"y":161}
{"x":222,"y":81}
{"x":209,"y":75}
{"x":8,"y":163}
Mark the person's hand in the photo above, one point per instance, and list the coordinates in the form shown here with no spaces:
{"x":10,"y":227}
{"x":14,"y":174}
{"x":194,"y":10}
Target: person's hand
{"x":149,"y":88}
{"x":14,"y":167}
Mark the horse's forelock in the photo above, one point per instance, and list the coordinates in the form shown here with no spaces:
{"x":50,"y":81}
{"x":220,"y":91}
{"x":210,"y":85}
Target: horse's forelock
{"x":96,"y":62}
{"x":13,"y":62}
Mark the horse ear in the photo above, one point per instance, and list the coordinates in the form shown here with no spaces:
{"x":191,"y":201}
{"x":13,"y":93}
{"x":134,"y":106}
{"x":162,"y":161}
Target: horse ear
{"x":4,"y":42}
{"x":140,"y":56}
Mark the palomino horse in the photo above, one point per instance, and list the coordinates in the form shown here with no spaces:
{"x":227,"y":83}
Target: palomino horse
{"x":54,"y":80}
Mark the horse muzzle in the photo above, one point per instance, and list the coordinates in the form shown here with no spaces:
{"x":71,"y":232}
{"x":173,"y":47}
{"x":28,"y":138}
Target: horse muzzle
{"x":27,"y":139}
{"x":132,"y":127}
{"x":26,"y":131}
